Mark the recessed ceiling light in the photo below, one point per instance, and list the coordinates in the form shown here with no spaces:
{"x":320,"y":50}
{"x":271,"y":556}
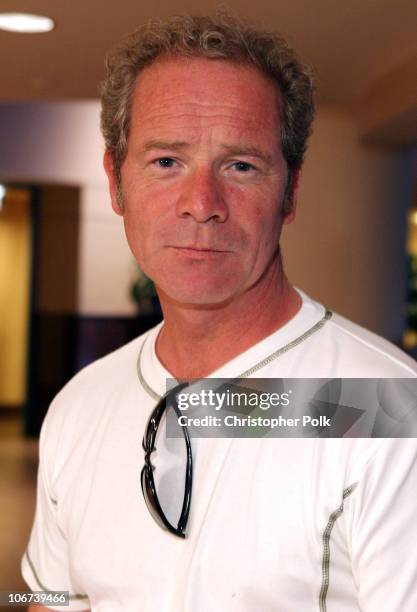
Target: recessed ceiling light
{"x":24,"y":22}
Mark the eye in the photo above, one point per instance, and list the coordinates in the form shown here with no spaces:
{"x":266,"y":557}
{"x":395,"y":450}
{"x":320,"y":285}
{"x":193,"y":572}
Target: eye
{"x":164,"y":162}
{"x":241,"y":166}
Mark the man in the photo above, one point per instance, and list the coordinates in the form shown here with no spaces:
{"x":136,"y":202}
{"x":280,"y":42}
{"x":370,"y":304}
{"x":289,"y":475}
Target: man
{"x":205,"y":123}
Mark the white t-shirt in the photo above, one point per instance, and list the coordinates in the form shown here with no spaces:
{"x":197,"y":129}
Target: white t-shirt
{"x":283,"y":525}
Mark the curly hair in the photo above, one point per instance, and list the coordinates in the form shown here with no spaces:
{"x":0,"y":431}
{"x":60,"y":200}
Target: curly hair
{"x":220,"y":36}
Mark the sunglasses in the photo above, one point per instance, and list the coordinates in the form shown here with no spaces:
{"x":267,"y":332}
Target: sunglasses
{"x":147,"y":477}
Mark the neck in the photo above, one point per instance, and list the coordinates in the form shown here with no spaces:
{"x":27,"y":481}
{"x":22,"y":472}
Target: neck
{"x":194,"y":342}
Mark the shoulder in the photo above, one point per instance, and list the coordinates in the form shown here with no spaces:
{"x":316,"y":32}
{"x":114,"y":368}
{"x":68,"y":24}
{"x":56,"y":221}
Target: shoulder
{"x":337,"y":347}
{"x":361,"y":348}
{"x":104,"y":372}
{"x":93,"y":392}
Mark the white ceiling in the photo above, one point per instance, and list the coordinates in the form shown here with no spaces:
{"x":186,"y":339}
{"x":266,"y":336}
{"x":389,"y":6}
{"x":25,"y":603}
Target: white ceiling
{"x":350,"y":43}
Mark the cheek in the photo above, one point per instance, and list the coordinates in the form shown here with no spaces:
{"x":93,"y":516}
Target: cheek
{"x":139,"y":222}
{"x":263,"y":221}
{"x":267,"y":224}
{"x":149,"y":210}
{"x":134,"y":235}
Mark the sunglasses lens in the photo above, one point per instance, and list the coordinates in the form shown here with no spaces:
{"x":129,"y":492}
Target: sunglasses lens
{"x":149,"y":497}
{"x":170,"y":465}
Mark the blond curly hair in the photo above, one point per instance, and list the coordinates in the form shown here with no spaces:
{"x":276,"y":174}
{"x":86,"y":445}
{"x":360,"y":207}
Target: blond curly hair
{"x":219,"y":36}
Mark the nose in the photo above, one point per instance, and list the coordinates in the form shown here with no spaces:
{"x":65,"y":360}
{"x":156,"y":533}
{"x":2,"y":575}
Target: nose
{"x":201,"y":198}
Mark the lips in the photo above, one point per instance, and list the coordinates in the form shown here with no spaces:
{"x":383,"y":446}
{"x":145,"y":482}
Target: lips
{"x":198,"y":252}
{"x":200,"y":249}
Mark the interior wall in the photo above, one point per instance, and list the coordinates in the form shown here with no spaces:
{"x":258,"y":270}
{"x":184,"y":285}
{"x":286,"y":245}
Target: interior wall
{"x":106,"y":266}
{"x":15,"y":245}
{"x":56,"y":142}
{"x":60,"y":142}
{"x":346,"y":247}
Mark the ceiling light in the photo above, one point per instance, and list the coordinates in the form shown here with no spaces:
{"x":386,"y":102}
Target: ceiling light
{"x":23,"y":22}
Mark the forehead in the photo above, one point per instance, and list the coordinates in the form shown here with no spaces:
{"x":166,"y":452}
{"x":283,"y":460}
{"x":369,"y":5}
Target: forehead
{"x":197,"y":94}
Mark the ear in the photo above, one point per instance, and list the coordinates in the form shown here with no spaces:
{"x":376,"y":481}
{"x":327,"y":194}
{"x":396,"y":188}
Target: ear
{"x":109,"y":168}
{"x":290,"y":215}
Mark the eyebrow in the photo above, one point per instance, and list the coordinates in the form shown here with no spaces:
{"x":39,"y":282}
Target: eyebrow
{"x":166,"y":144}
{"x":235,"y":150}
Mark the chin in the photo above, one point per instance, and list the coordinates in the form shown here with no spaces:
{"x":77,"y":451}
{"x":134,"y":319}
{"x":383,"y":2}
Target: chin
{"x":197,"y":284}
{"x":197,"y":296}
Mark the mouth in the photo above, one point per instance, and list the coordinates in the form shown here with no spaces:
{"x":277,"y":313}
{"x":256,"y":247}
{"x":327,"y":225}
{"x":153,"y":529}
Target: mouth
{"x":199,"y":252}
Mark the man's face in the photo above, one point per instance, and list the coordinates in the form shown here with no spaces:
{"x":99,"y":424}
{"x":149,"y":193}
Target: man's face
{"x":203,"y":179}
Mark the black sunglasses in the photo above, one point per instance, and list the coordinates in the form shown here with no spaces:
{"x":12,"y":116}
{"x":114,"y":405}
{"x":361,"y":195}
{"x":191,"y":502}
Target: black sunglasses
{"x":146,"y":477}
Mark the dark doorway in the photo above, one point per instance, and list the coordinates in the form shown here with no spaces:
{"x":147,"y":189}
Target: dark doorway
{"x":53,"y":314}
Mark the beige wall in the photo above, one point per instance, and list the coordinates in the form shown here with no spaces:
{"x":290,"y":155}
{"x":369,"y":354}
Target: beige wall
{"x":14,"y":295}
{"x":347,"y":244}
{"x":106,"y":266}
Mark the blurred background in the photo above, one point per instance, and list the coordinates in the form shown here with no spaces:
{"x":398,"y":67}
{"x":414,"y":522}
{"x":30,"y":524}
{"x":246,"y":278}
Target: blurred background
{"x":70,"y":290}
